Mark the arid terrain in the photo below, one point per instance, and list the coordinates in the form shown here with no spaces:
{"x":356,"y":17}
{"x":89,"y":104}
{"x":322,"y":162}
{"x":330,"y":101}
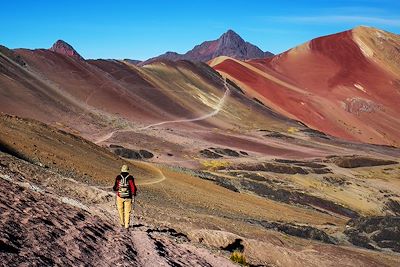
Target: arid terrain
{"x":289,"y":167}
{"x":345,"y":84}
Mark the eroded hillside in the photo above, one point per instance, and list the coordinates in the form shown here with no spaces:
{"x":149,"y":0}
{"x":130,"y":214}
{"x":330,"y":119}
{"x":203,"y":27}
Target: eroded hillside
{"x":345,"y":84}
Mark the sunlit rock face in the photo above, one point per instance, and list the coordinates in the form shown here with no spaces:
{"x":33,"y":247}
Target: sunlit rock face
{"x":64,"y":48}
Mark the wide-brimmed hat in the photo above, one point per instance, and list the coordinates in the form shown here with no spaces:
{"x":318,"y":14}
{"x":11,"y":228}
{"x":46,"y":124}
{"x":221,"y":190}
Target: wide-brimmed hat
{"x":124,"y":168}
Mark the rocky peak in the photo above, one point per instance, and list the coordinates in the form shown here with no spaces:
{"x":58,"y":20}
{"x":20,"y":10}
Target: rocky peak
{"x":229,"y":39}
{"x":230,"y":35}
{"x":231,"y":44}
{"x":228,"y":44}
{"x":64,"y":48}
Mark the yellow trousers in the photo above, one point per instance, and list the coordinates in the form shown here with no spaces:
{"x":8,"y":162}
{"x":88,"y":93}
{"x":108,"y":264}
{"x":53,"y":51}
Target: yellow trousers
{"x":124,"y":206}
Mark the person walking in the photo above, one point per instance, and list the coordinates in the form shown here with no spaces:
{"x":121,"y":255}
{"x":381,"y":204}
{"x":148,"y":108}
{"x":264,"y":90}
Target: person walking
{"x":126,"y":192}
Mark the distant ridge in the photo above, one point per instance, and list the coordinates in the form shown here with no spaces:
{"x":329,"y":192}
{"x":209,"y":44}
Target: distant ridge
{"x":132,"y":61}
{"x":228,"y":44}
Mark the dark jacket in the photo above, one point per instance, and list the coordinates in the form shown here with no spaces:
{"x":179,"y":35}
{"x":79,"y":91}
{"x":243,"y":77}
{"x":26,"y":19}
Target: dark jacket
{"x":131,"y":182}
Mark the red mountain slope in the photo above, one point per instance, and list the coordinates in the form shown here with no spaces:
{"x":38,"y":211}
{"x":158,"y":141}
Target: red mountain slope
{"x":345,"y":84}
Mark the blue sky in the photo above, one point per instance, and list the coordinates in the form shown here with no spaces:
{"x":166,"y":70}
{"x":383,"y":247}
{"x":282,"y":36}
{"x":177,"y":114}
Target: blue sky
{"x":139,"y":30}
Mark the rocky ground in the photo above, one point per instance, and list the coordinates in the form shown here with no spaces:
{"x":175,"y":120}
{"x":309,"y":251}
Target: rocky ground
{"x":41,"y":228}
{"x":57,"y":207}
{"x":73,"y":223}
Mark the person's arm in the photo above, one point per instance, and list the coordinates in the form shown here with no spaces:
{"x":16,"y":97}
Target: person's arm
{"x":116,"y":184}
{"x":132,"y":186}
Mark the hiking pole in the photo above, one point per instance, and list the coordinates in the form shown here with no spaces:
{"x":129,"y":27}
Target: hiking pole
{"x":138,"y":210}
{"x":132,"y":211}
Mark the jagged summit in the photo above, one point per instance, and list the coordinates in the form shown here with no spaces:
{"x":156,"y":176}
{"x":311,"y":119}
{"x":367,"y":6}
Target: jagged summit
{"x":230,"y":34}
{"x":232,"y":44}
{"x":228,"y":44}
{"x":231,"y":40}
{"x":64,"y":48}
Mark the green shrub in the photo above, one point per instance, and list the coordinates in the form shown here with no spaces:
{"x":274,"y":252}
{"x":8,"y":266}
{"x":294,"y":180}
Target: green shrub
{"x":214,"y":165}
{"x":292,"y":130}
{"x":238,"y":257}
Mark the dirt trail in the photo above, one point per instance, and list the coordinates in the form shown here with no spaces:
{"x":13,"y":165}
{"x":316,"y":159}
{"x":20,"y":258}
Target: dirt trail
{"x":146,"y":250}
{"x":218,"y":108}
{"x":158,"y":174}
{"x":206,"y":116}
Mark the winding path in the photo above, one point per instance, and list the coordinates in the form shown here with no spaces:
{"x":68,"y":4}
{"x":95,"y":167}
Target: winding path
{"x":203,"y":117}
{"x":161,"y":177}
{"x":206,"y":116}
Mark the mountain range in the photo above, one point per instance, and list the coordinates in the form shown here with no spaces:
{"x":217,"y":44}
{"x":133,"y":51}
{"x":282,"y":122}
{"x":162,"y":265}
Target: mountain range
{"x":228,"y":44}
{"x":345,"y":84}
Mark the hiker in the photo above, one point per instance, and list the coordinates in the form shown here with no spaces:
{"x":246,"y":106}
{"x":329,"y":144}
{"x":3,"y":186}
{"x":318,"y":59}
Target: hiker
{"x":126,"y":192}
